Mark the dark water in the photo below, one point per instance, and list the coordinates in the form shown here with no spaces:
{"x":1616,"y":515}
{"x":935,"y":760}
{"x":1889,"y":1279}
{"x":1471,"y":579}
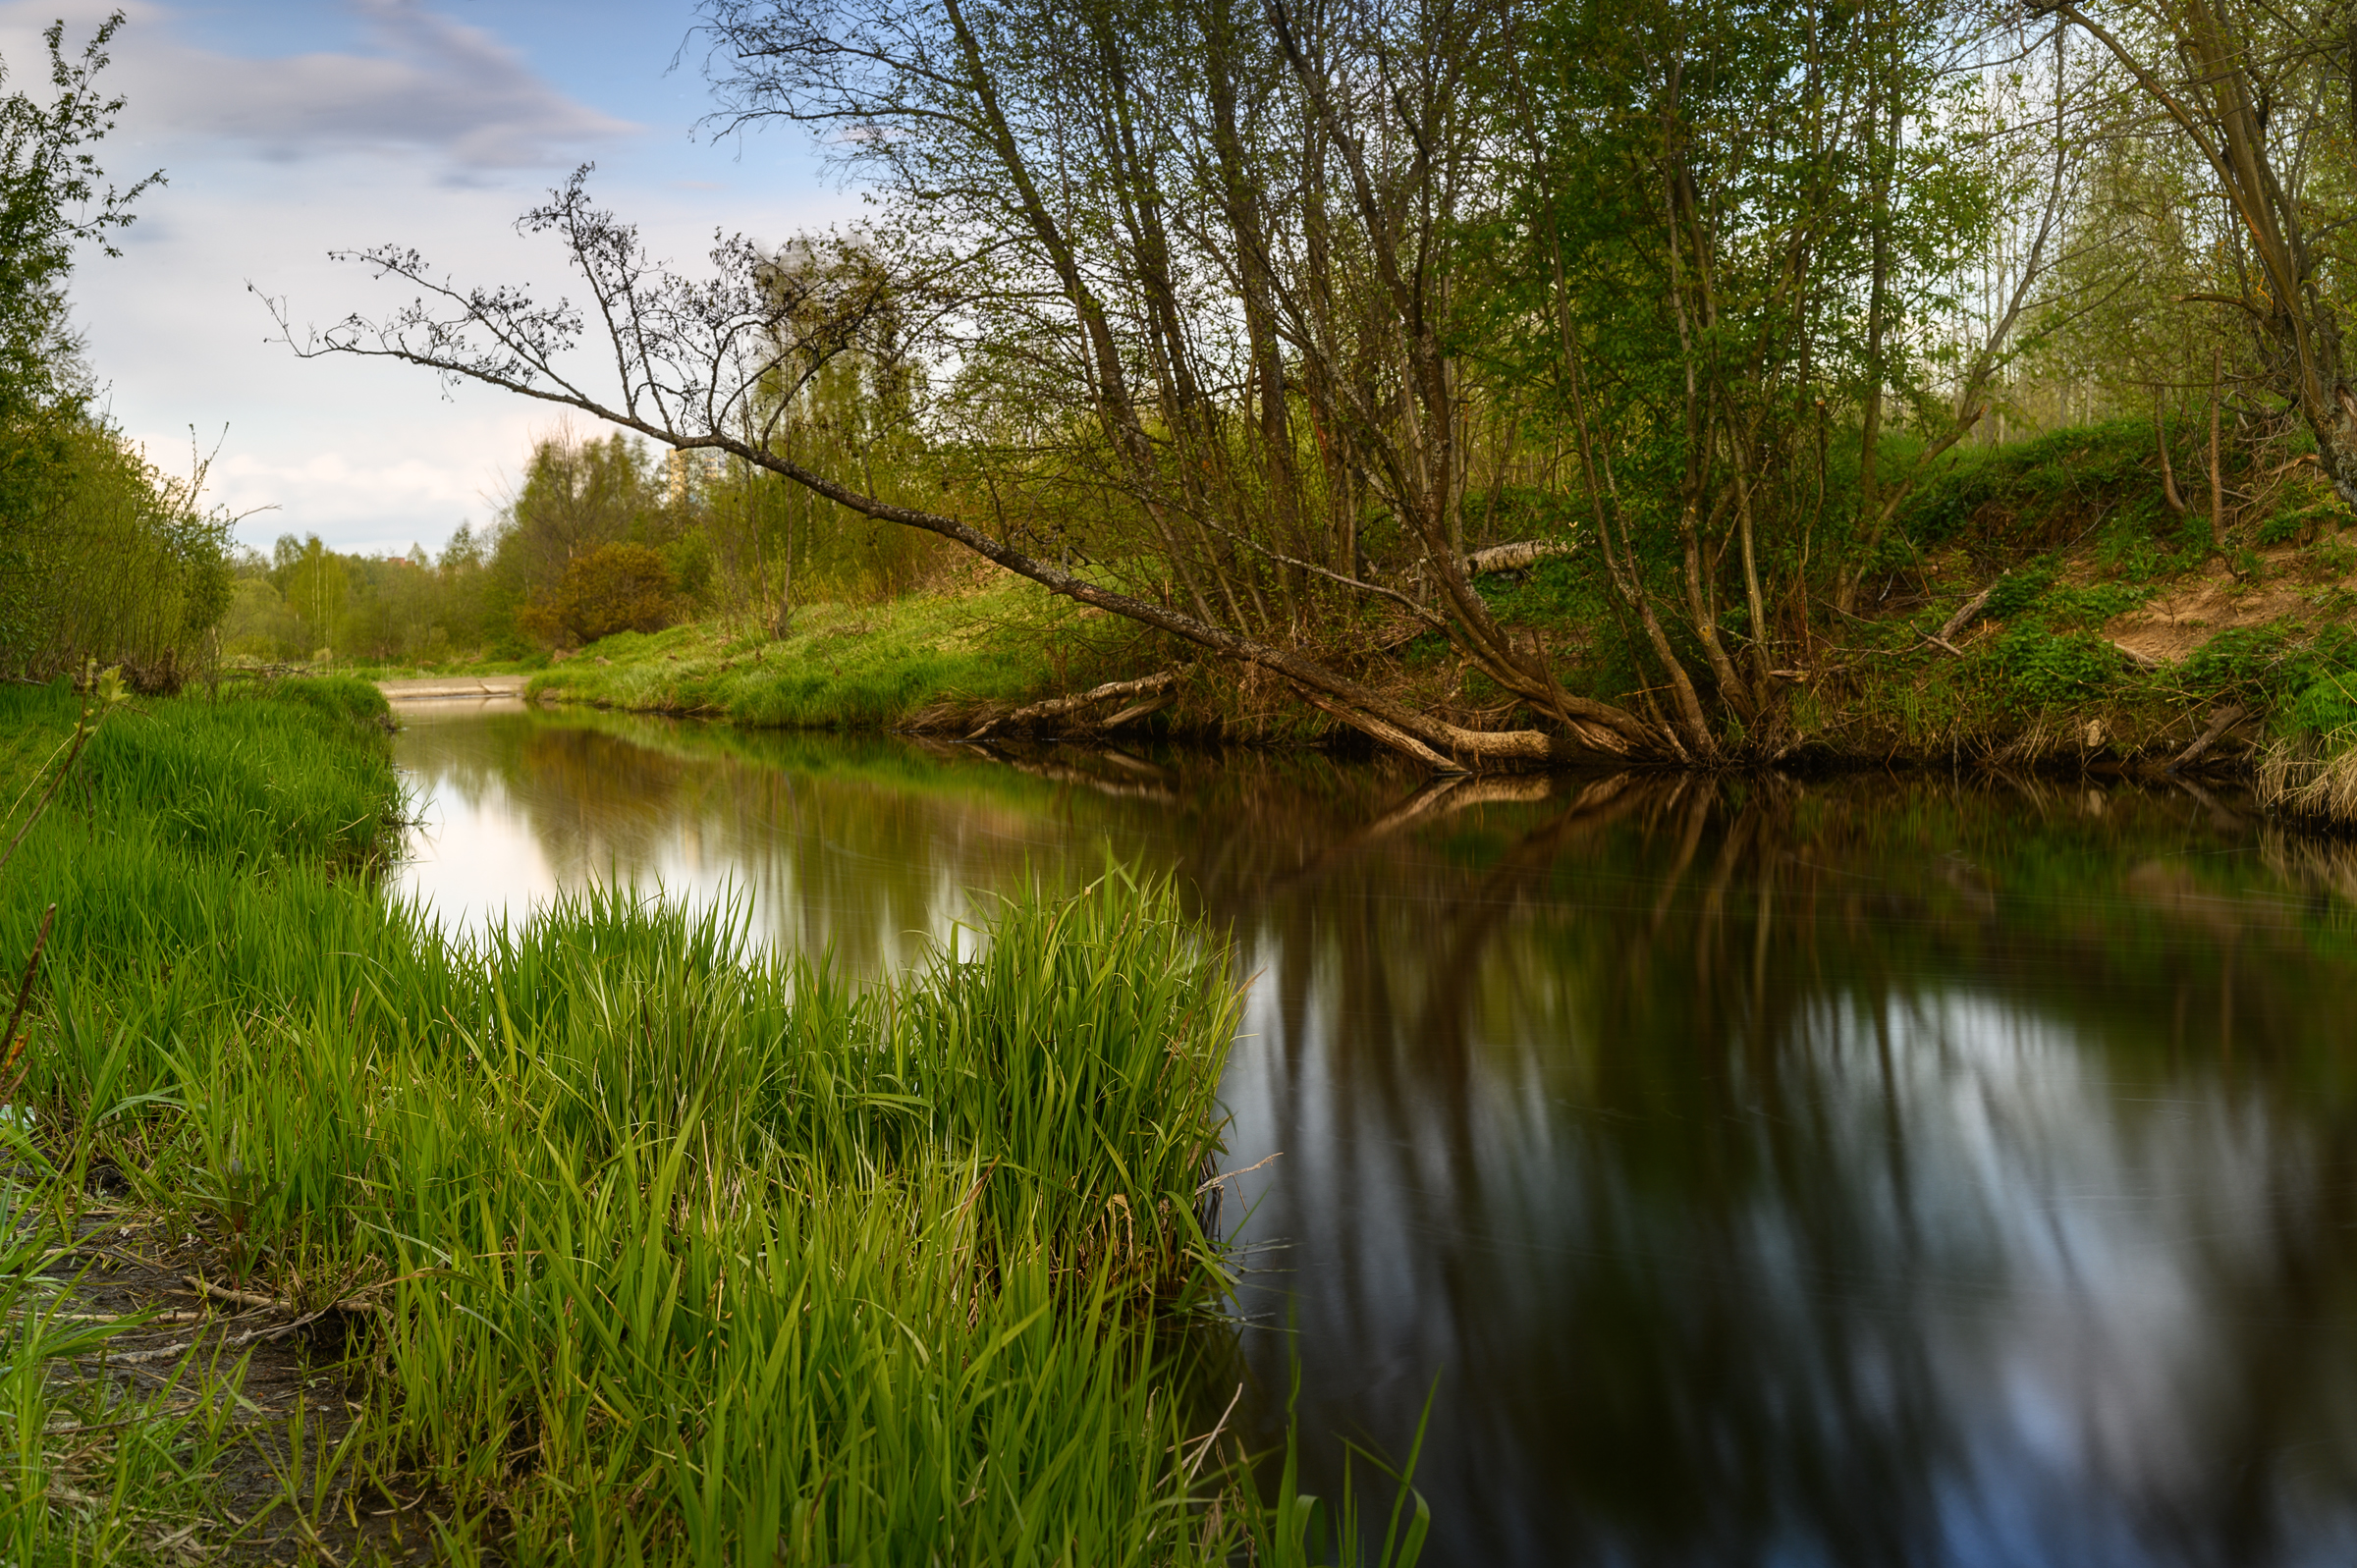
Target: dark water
{"x":1862,"y":1173}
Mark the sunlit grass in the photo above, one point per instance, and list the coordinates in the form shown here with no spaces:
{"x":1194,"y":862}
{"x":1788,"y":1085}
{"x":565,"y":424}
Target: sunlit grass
{"x":841,"y":666}
{"x":658,"y":1248}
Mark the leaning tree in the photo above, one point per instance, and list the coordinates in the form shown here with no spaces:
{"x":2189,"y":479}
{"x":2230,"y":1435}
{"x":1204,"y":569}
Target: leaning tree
{"x":1249,"y":280}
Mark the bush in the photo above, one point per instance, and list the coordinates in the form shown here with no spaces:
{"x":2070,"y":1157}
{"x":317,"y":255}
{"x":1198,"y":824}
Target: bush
{"x":2021,"y":588}
{"x":2326,"y":707}
{"x":2245,"y":661}
{"x":260,"y":624}
{"x":2045,"y":668}
{"x":104,"y":557}
{"x":617,"y":587}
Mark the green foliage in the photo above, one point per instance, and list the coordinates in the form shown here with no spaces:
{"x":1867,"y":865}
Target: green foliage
{"x":566,"y":563}
{"x":2248,"y":660}
{"x":843,"y":666}
{"x":2091,"y":606}
{"x":260,"y":624}
{"x":2041,"y":492}
{"x":688,"y":563}
{"x":261,"y":776}
{"x":53,"y":197}
{"x":87,"y":1465}
{"x":406,"y":610}
{"x":2046,"y":668}
{"x":1427,"y":651}
{"x":1641,"y":141}
{"x":2296,"y":672}
{"x":2333,"y":554}
{"x":2325,"y":707}
{"x":689,"y":1255}
{"x":613,"y":588}
{"x":100,"y":555}
{"x":2295,"y":519}
{"x":2022,"y":588}
{"x":2127,"y":547}
{"x":1559,"y":590}
{"x":103,"y":557}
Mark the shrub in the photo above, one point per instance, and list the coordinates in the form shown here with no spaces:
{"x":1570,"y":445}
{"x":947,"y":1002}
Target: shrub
{"x":2022,"y":588}
{"x":616,"y":587}
{"x":2045,"y":668}
{"x":2325,"y":707}
{"x":2244,"y":660}
{"x":103,"y":556}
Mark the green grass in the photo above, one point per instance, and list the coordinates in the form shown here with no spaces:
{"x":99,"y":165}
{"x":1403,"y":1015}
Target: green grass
{"x":2047,"y":490}
{"x":844,"y":667}
{"x":93,"y":1470}
{"x":685,"y":1252}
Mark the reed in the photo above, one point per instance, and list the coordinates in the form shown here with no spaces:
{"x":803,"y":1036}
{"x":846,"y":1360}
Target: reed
{"x":660,"y":1248}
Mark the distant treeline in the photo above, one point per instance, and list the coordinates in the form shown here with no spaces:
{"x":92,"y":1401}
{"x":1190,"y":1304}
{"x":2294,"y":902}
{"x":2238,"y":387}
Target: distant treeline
{"x":105,"y":556}
{"x":602,"y":535}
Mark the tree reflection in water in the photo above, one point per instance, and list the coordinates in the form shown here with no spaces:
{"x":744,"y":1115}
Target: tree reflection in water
{"x":1852,"y":1172}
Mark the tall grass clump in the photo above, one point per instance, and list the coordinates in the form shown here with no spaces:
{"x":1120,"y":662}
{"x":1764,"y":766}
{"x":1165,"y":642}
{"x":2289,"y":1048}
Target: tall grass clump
{"x":742,"y":1256}
{"x":2308,"y":767}
{"x":652,"y":1246}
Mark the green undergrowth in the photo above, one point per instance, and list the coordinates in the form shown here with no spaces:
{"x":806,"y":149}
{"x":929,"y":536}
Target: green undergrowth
{"x":843,"y":666}
{"x":2050,"y":669}
{"x":673,"y":1250}
{"x":2071,"y":532}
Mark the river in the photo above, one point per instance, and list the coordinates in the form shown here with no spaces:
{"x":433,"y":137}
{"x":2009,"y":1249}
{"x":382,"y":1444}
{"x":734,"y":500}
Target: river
{"x":1857,"y":1172}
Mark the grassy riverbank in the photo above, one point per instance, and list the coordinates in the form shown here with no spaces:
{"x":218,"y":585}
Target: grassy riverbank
{"x":2038,"y":604}
{"x":610,"y":1238}
{"x":848,"y":666}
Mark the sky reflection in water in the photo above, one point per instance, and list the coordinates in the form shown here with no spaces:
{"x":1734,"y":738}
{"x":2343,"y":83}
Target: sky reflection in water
{"x":1844,"y":1173}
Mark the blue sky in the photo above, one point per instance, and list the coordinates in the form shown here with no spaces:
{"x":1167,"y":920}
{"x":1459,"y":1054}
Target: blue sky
{"x":286,"y":129}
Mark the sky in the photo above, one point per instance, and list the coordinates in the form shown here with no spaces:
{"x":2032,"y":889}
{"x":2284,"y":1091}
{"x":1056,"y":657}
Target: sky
{"x":287,"y":128}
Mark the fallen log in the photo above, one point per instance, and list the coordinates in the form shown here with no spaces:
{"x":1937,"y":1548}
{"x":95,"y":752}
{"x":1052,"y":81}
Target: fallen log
{"x":2221,"y":720}
{"x":1063,"y":707}
{"x":1515,"y":556}
{"x":1969,"y":608}
{"x":1963,"y":618}
{"x":1141,"y":709}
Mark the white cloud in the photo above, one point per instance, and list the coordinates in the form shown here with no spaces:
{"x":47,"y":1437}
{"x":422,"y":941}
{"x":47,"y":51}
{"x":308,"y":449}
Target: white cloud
{"x":427,"y":82}
{"x":434,"y":84}
{"x":420,"y":134}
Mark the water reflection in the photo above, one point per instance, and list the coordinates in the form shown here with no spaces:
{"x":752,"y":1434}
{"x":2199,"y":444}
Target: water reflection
{"x":847,"y":849}
{"x":1846,"y":1173}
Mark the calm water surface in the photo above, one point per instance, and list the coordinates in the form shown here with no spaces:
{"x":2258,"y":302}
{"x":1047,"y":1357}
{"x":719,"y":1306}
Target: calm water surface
{"x":1860,"y":1172}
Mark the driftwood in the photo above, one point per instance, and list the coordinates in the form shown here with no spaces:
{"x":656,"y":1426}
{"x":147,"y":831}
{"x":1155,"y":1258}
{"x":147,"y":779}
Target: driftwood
{"x":236,"y":1341}
{"x":1059,"y":710}
{"x":2221,"y":720}
{"x":236,"y":1298}
{"x":1141,"y":709}
{"x":1963,"y":618}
